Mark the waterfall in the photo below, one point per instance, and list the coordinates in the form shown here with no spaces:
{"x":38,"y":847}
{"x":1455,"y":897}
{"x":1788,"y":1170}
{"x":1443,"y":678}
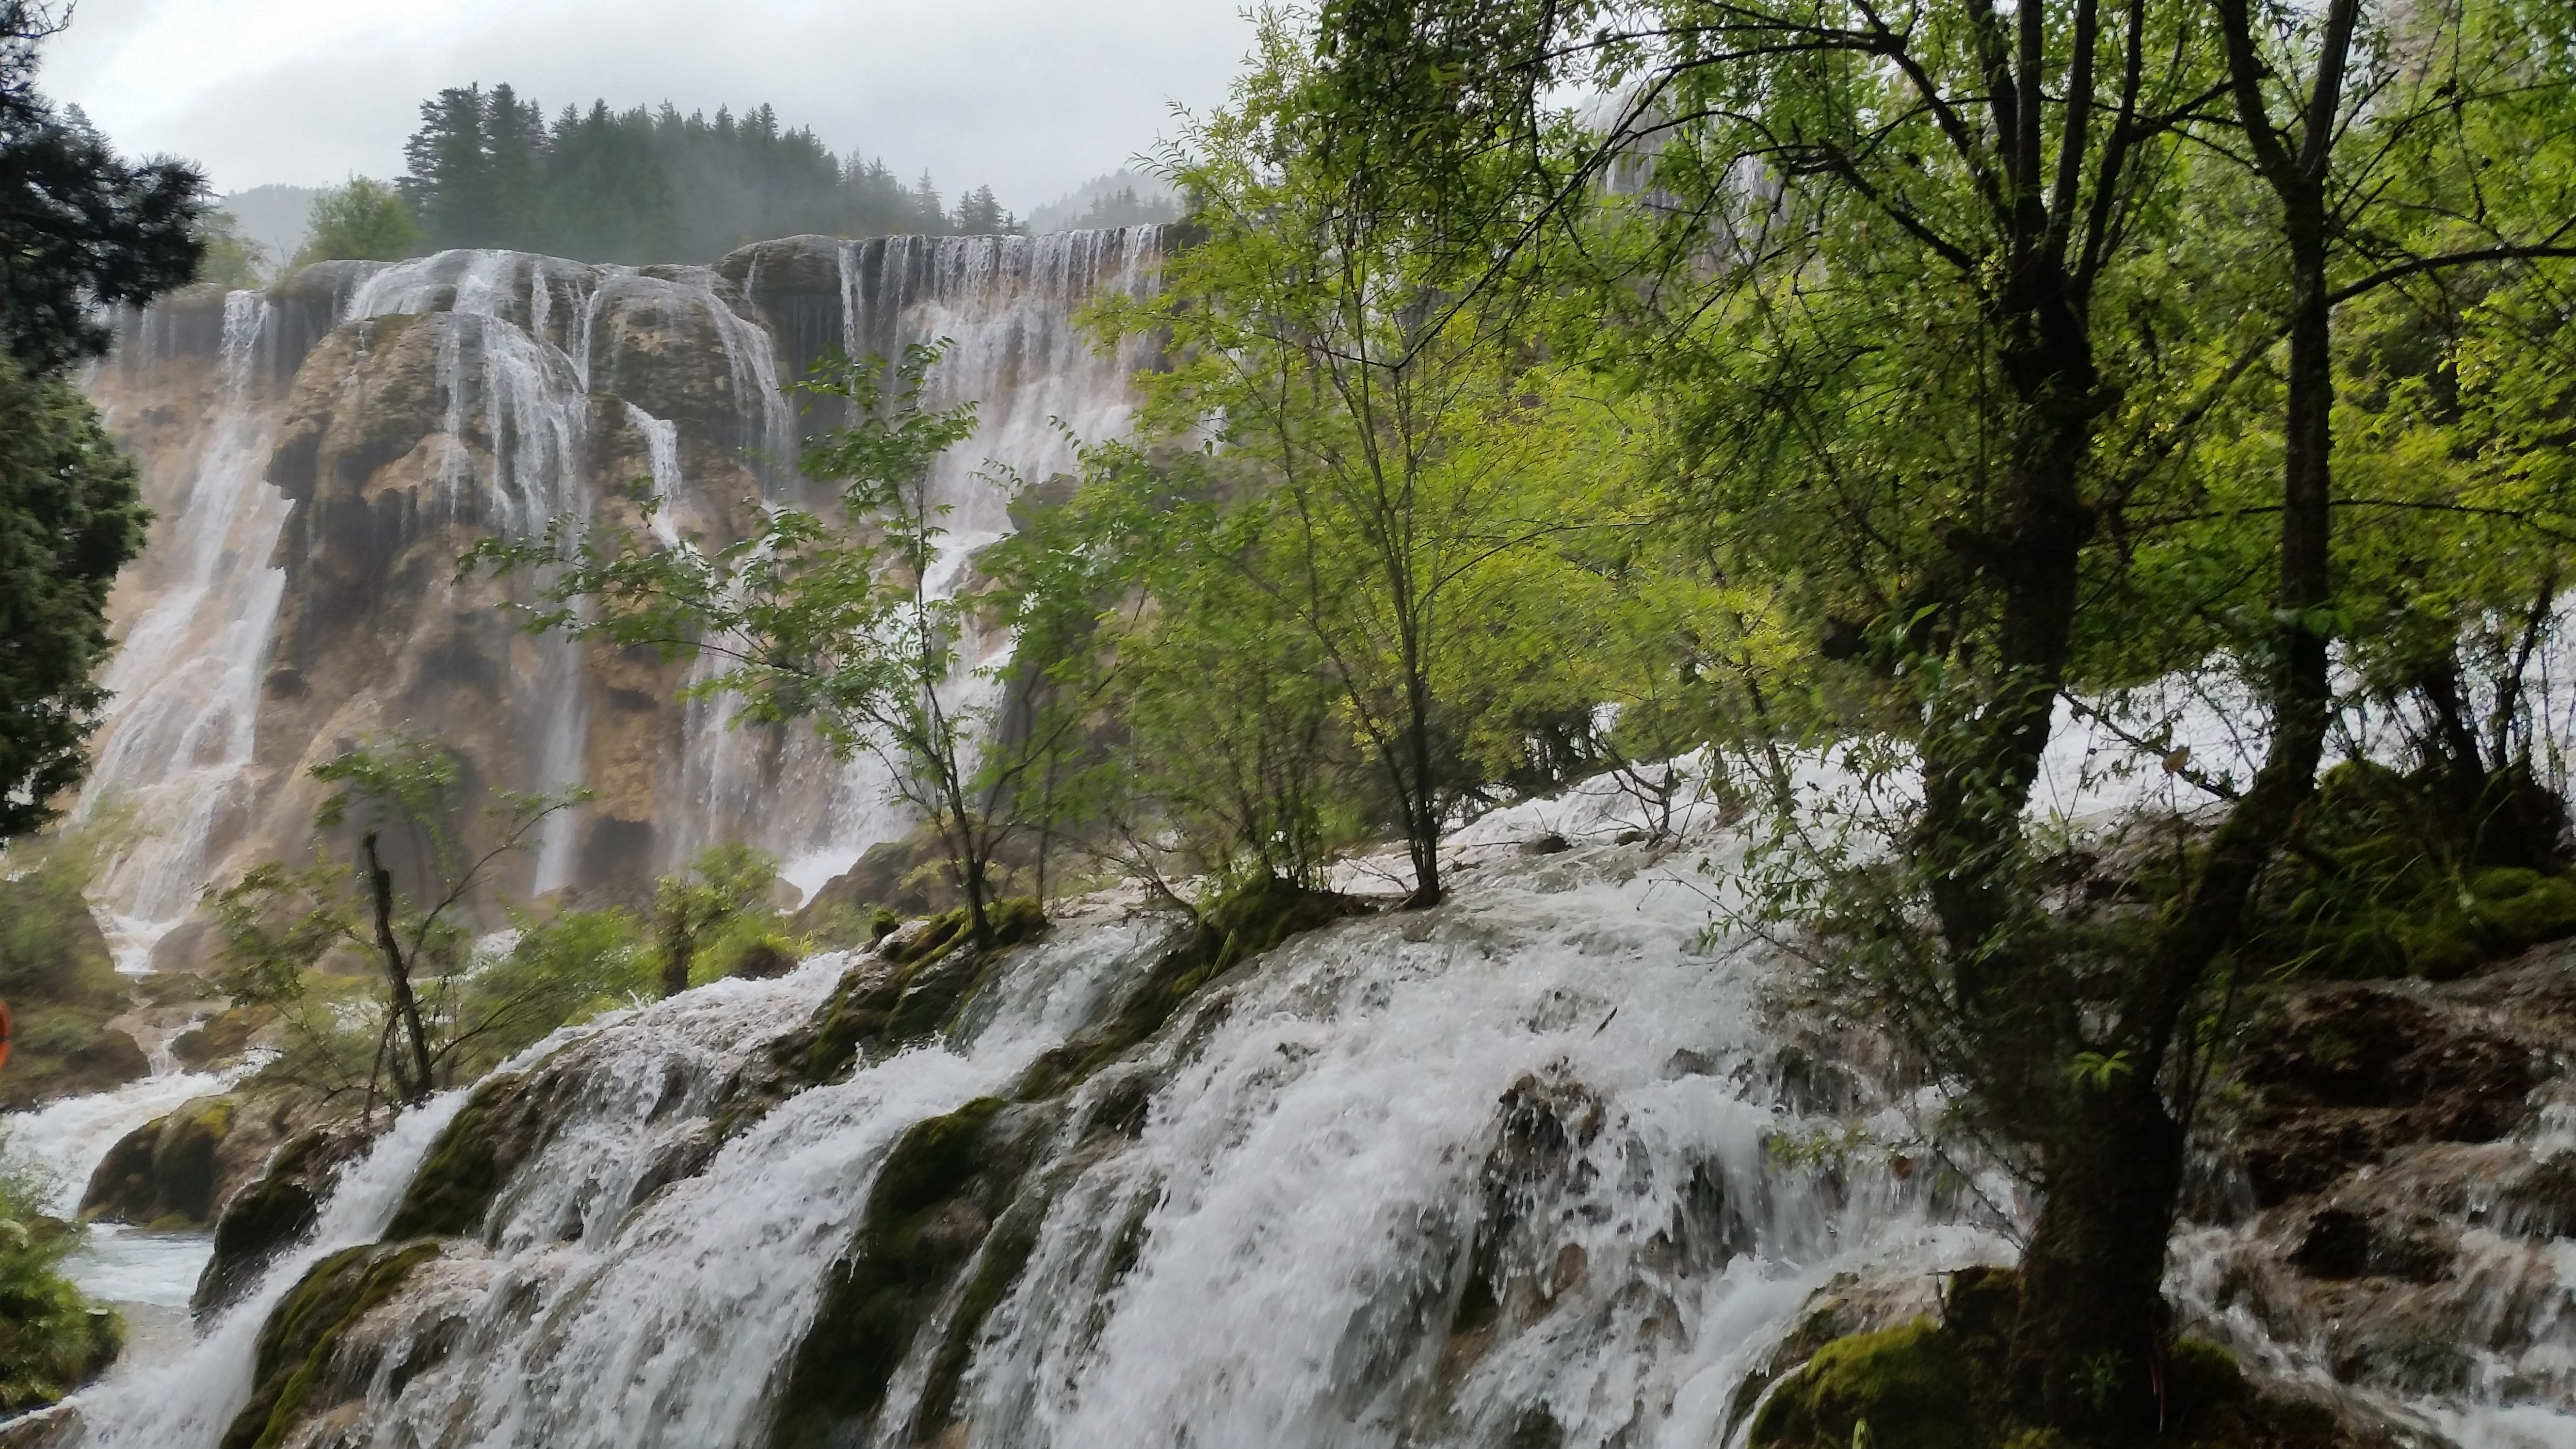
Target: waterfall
{"x":192,"y":1399}
{"x":1538,"y":1165}
{"x":1010,"y":308}
{"x":175,"y":747}
{"x":360,"y":417}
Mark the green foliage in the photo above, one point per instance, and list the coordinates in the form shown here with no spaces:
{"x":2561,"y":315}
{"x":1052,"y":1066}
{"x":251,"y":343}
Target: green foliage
{"x":56,"y":972}
{"x":380,"y":983}
{"x":232,"y":261}
{"x":823,"y":620}
{"x":363,"y":221}
{"x":487,"y":169}
{"x":2384,"y":880}
{"x":52,"y":1339}
{"x":1408,"y":515}
{"x":708,"y":916}
{"x":71,"y":515}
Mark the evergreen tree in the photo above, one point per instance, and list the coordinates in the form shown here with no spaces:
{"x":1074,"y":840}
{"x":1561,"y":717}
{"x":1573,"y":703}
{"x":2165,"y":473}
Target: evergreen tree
{"x":649,"y":185}
{"x":79,"y":229}
{"x":449,"y":183}
{"x":978,"y":214}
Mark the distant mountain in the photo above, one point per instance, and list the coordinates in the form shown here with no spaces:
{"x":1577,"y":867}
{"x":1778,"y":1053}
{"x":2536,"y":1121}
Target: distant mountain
{"x":1121,"y":198}
{"x":274,"y":217}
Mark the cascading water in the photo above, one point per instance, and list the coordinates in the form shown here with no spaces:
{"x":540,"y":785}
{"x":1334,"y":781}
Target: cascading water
{"x":1508,"y":1171}
{"x":371,"y":421}
{"x":191,"y":1400}
{"x":176,"y":746}
{"x":1009,"y":309}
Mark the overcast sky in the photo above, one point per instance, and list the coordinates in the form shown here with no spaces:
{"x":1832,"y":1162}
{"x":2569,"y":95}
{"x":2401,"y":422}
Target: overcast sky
{"x":1029,"y":96}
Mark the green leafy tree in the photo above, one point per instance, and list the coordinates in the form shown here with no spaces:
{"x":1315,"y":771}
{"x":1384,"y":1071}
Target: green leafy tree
{"x":281,"y":923}
{"x":232,"y":260}
{"x":1975,"y":353}
{"x":833,"y":621}
{"x":54,"y":1338}
{"x":1407,"y":481}
{"x":724,"y":884}
{"x":364,"y":221}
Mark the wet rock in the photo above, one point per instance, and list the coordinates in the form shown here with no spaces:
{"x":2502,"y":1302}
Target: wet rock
{"x":297,"y":1343}
{"x":933,"y":1206}
{"x":509,"y":1117}
{"x":223,"y":1037}
{"x":274,"y":1212}
{"x":163,"y":1174}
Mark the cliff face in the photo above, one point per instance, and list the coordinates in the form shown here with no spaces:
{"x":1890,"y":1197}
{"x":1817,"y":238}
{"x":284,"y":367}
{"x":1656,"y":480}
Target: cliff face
{"x":320,"y":456}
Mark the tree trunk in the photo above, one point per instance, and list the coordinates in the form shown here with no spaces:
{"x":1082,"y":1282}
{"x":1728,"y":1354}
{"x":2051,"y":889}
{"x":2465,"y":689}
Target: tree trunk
{"x":679,"y":949}
{"x":415,"y":1084}
{"x":2092,"y":1321}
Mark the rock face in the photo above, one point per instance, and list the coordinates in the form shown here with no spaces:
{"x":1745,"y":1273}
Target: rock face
{"x":2403,"y":1191}
{"x":320,"y":457}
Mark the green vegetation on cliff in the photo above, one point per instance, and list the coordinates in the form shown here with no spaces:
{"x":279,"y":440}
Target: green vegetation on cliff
{"x":58,"y":978}
{"x":489,"y":169}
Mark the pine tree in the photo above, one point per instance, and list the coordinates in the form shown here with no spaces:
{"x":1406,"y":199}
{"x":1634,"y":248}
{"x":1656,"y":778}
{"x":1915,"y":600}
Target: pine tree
{"x":449,"y":185}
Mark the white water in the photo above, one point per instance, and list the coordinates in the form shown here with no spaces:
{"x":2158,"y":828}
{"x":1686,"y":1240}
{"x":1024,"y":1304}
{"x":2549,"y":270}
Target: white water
{"x":192,"y":1399}
{"x":200,"y":606}
{"x":528,"y":347}
{"x":68,"y":1138}
{"x":1008,"y":307}
{"x":1275,"y":1256}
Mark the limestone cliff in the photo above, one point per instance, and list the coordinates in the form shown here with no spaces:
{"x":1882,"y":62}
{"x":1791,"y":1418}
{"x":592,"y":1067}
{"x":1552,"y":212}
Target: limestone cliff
{"x":319,"y":457}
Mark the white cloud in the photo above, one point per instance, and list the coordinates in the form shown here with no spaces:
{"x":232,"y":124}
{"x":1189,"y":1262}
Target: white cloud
{"x":1027,"y":96}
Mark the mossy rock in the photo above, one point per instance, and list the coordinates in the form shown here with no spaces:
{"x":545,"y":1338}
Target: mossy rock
{"x":1928,"y":1385}
{"x":500,"y":1127}
{"x":163,"y":1173}
{"x":914,"y":992}
{"x":1253,"y":919}
{"x":1900,"y":1388}
{"x":297,"y":1342}
{"x":274,"y":1211}
{"x":223,"y":1036}
{"x":931,"y":1209}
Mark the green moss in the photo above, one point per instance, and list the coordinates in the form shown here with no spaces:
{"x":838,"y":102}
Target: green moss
{"x":1903,"y":1388}
{"x":925,"y":1217}
{"x":163,"y":1173}
{"x":453,"y":1191}
{"x":932,"y":975}
{"x":1005,"y":1256}
{"x":1243,"y":924}
{"x":2387,"y":878}
{"x":1928,"y":1385}
{"x":296,"y":1344}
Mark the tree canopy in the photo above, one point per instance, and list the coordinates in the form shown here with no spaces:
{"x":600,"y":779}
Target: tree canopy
{"x":488,"y":168}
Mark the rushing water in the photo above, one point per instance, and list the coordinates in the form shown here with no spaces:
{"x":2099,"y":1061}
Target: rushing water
{"x":1560,"y":1090}
{"x":1503,"y":1172}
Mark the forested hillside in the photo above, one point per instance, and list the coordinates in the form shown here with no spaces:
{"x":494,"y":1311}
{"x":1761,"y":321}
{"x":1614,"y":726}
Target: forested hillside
{"x":487,"y":168}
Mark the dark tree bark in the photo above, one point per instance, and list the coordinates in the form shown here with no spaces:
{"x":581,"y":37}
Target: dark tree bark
{"x":412,"y":1081}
